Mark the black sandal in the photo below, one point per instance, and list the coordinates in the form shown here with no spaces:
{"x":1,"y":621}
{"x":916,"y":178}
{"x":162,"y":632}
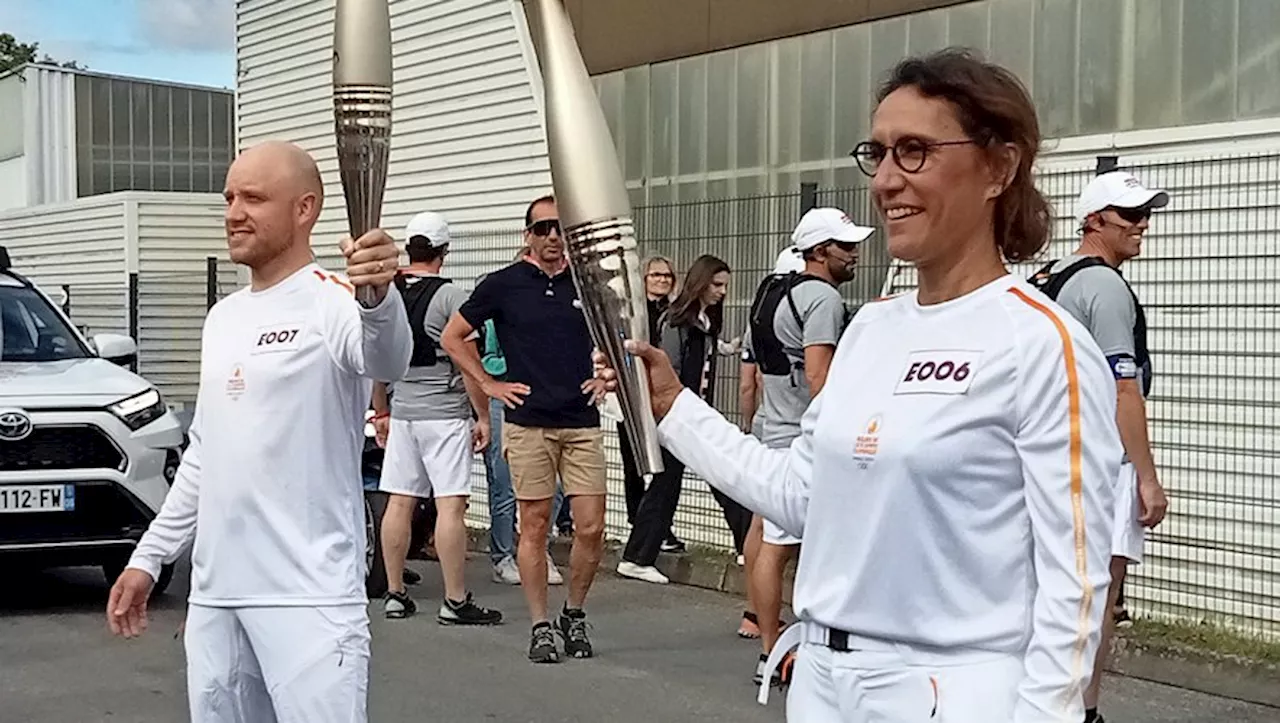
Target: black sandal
{"x":750,"y":617}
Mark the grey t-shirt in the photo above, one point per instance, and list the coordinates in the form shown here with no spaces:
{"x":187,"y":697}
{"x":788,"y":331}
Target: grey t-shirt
{"x":786,"y":398}
{"x":435,"y":392}
{"x":1099,"y":299}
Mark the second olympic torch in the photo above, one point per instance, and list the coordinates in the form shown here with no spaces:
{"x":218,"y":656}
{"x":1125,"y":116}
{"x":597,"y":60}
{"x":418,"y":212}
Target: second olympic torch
{"x":595,"y":215}
{"x":362,"y":111}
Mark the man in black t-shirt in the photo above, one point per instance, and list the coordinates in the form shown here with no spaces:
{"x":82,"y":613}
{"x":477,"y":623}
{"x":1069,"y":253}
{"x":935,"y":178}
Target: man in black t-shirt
{"x":552,"y":425}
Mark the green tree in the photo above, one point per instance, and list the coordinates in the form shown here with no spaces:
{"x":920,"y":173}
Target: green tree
{"x":14,"y":54}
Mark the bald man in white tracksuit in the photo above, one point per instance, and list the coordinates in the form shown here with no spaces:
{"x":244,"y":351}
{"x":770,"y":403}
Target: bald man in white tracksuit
{"x":953,"y":483}
{"x":270,"y":493}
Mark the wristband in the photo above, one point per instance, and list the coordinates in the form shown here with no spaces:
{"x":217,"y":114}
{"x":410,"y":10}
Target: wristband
{"x":376,"y":417}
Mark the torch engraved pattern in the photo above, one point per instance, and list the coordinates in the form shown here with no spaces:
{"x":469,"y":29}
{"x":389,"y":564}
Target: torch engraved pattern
{"x":595,"y":214}
{"x":362,"y":111}
{"x":603,"y":259}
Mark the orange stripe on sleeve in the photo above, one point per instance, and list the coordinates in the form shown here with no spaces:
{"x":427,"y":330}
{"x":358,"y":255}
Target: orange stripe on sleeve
{"x":343,"y":284}
{"x":1077,"y":474}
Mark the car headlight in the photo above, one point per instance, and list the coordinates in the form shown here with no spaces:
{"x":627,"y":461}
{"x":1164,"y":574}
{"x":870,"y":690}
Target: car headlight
{"x":140,"y":410}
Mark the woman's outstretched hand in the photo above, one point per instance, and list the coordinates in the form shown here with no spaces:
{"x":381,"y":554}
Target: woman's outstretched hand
{"x":664,"y":385}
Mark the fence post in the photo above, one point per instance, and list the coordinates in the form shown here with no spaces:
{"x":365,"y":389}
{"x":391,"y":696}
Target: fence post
{"x":133,"y":315}
{"x":210,"y":281}
{"x":1107,"y":164}
{"x":808,"y":197}
{"x":66,"y":299}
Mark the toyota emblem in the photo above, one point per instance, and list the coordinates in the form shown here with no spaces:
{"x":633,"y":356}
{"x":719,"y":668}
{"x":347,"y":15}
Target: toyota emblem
{"x":14,"y":426}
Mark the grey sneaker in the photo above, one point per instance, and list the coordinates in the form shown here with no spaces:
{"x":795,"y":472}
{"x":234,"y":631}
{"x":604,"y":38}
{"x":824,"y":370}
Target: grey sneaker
{"x":542,"y":645}
{"x":572,"y":626}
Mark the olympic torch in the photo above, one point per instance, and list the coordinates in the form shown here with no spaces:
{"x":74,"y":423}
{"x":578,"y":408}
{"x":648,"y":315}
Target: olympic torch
{"x":362,"y":111}
{"x":596,"y":217}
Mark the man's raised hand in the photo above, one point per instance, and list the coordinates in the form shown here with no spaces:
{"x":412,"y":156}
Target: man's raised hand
{"x":372,"y":260}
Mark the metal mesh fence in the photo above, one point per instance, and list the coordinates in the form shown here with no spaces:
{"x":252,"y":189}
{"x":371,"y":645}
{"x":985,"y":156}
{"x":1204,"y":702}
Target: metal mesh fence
{"x":1209,"y":277}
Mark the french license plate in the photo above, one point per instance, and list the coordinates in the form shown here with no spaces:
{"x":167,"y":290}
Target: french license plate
{"x":37,"y":498}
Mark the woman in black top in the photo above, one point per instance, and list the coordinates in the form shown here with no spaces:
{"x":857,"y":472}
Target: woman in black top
{"x":689,"y":333}
{"x":659,"y":286}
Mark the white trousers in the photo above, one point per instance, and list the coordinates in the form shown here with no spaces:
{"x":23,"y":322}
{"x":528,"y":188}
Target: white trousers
{"x":278,"y":664}
{"x":897,"y":686}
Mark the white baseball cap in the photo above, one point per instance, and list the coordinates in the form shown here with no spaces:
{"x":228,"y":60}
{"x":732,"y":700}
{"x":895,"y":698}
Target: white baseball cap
{"x":789,"y":261}
{"x":820,"y":225}
{"x":431,"y":226}
{"x":1120,"y":190}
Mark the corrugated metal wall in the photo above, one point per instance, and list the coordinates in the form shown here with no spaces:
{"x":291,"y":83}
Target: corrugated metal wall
{"x":80,"y":245}
{"x":176,"y":233}
{"x":467,"y":134}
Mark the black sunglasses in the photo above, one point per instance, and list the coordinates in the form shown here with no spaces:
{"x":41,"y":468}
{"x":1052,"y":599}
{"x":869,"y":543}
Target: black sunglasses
{"x":909,"y":153}
{"x":1132,"y":215}
{"x":544,"y":227}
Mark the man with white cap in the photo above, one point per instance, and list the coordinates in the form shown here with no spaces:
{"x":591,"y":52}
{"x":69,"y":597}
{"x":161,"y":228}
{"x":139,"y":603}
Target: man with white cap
{"x":750,"y":391}
{"x":794,"y":328}
{"x":1113,"y":213}
{"x":436,"y":420}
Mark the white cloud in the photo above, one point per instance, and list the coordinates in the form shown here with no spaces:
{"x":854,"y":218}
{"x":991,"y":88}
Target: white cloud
{"x":187,"y":24}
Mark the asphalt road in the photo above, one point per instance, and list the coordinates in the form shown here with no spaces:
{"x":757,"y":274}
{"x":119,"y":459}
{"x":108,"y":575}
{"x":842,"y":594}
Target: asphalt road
{"x":665,"y":654}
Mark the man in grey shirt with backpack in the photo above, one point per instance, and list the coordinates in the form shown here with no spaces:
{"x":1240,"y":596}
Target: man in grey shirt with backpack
{"x":436,"y":421}
{"x":1113,"y":213}
{"x":796,"y":321}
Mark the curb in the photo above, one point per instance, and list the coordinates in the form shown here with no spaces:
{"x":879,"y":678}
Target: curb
{"x":1181,"y":667}
{"x":1195,"y":669}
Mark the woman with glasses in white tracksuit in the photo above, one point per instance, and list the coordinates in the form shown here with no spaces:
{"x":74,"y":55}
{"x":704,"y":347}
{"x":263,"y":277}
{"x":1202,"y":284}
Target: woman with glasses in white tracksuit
{"x":953,"y":481}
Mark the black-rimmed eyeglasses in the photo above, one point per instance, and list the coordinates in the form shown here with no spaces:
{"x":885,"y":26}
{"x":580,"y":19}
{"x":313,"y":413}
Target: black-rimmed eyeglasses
{"x":909,"y":153}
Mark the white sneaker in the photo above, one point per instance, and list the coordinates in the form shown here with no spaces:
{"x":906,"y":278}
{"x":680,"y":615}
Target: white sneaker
{"x":648,"y":573}
{"x":506,"y":572}
{"x":553,"y":574}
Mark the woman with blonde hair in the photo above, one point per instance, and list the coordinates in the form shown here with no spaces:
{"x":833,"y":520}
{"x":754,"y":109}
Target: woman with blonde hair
{"x":659,"y":275}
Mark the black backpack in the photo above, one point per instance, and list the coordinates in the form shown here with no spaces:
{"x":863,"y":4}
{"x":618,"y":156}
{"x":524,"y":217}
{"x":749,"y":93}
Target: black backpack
{"x":417,"y":299}
{"x":1051,"y":284}
{"x":770,"y":355}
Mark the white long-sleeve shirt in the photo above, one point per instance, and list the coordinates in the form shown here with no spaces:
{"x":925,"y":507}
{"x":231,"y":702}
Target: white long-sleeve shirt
{"x":270,"y":485}
{"x":953,"y":483}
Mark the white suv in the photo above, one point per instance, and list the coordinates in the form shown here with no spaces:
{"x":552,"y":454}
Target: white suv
{"x":88,"y":449}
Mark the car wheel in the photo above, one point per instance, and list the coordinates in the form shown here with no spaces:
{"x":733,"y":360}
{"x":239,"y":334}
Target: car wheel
{"x":112,"y":570}
{"x":166,"y":577}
